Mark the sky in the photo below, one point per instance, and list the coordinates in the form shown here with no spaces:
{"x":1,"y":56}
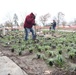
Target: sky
{"x":39,"y":7}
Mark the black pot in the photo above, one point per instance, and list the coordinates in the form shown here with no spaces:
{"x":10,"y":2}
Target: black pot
{"x":53,"y":47}
{"x":38,"y":56}
{"x":20,"y":53}
{"x":70,"y":56}
{"x":12,"y":50}
{"x":51,"y":63}
{"x":60,"y":52}
{"x":39,"y":50}
{"x":31,"y":51}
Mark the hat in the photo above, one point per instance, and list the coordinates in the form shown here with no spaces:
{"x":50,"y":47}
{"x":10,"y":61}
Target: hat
{"x":31,"y":13}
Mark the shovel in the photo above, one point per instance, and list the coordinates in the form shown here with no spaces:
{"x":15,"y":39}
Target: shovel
{"x":35,"y":33}
{"x":35,"y":38}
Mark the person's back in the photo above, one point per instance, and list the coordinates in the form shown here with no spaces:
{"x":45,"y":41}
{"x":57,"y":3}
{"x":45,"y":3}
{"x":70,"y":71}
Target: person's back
{"x":54,"y":24}
{"x":29,"y":21}
{"x":28,"y":24}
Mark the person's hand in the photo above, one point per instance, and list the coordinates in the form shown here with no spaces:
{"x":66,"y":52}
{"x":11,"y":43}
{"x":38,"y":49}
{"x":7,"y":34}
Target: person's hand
{"x":34,"y":24}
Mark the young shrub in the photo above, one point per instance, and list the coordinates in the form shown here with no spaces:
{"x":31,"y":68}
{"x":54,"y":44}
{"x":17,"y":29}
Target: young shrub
{"x":71,"y":54}
{"x":20,"y":52}
{"x":47,"y":47}
{"x":59,"y":61}
{"x":60,"y":52}
{"x":39,"y":48}
{"x":13,"y":48}
{"x":31,"y":49}
{"x":41,"y":56}
{"x":53,"y":46}
{"x":52,"y":32}
{"x":50,"y":53}
{"x":69,"y":49}
{"x":38,"y":55}
{"x":50,"y":61}
{"x":22,"y":47}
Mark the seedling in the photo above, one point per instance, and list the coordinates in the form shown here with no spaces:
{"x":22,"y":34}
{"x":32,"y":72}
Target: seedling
{"x":38,"y":56}
{"x":51,"y":61}
{"x":60,"y":51}
{"x":20,"y":52}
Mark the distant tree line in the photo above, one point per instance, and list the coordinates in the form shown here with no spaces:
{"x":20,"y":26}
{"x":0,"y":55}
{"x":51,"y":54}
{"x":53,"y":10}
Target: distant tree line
{"x":43,"y":18}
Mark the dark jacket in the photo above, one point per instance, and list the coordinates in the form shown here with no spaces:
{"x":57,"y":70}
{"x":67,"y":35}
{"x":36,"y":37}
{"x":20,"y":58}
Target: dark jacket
{"x":29,"y":21}
{"x":54,"y":24}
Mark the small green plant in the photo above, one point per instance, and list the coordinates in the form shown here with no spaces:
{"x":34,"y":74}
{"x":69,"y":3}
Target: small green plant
{"x":60,"y":46}
{"x":22,"y":47}
{"x":40,"y":55}
{"x":20,"y":52}
{"x":59,"y":61}
{"x":14,"y":47}
{"x":31,"y":49}
{"x":71,"y":54}
{"x":53,"y":46}
{"x":59,"y":51}
{"x":50,"y":53}
{"x":47,"y":47}
{"x":39,"y":48}
{"x":50,"y":61}
{"x":52,"y":32}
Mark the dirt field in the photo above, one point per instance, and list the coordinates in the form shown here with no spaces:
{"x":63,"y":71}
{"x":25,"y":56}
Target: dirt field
{"x":28,"y":62}
{"x":32,"y":65}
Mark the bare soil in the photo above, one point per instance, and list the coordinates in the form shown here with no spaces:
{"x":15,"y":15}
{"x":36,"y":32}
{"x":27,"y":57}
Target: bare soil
{"x":31,"y":65}
{"x":28,"y":62}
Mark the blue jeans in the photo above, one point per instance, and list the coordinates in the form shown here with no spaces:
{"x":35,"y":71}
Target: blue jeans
{"x":27,"y":30}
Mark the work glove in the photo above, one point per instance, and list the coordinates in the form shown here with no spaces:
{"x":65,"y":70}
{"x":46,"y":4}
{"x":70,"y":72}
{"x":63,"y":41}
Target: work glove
{"x":34,"y":24}
{"x":34,"y":16}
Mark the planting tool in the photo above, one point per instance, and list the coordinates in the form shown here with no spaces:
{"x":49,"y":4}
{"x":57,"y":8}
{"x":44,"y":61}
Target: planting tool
{"x":35,"y":32}
{"x":35,"y":37}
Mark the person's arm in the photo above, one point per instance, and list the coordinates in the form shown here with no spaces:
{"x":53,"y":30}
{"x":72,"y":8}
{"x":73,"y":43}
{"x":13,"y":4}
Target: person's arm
{"x":33,"y":22}
{"x":31,"y":19}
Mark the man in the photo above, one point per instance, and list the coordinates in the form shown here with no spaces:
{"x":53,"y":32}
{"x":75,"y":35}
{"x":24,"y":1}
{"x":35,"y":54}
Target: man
{"x":28,"y":24}
{"x":54,"y":24}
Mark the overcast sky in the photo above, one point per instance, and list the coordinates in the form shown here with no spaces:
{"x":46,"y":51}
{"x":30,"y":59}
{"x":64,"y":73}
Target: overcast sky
{"x":40,"y":7}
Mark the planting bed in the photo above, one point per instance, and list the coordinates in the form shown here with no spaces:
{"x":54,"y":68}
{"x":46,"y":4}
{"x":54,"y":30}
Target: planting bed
{"x":53,"y":53}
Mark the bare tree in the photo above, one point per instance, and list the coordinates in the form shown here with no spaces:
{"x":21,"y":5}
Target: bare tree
{"x":60,"y":17}
{"x":44,"y":18}
{"x":9,"y":21}
{"x":64,"y":23}
{"x":8,"y":16}
{"x":8,"y":24}
{"x":15,"y":18}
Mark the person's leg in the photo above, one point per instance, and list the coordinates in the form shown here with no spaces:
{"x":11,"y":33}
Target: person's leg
{"x":33,"y":33}
{"x":26,"y":33}
{"x":53,"y":27}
